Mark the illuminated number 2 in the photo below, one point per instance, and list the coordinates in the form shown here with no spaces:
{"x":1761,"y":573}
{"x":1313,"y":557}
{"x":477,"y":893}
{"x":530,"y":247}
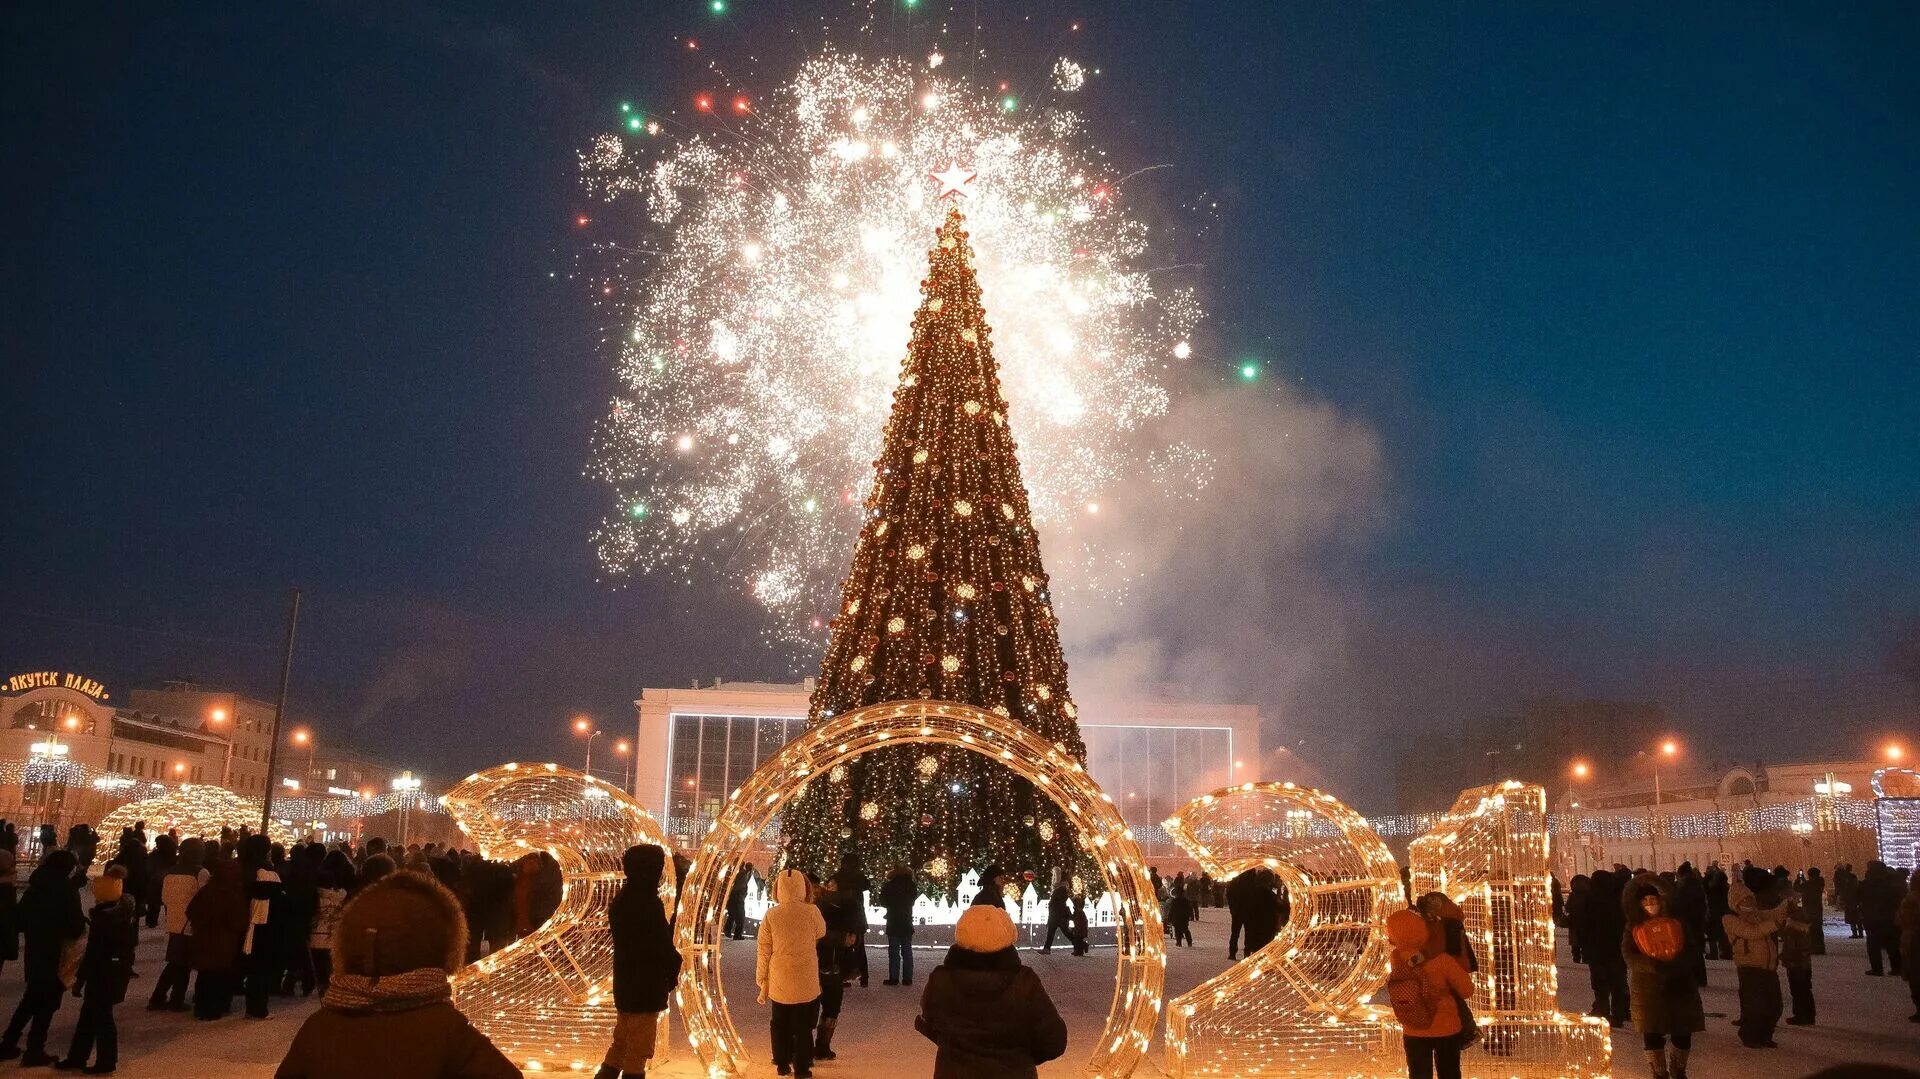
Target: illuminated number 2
{"x":1489,"y":855}
{"x":1298,"y":1007}
{"x":547,"y":999}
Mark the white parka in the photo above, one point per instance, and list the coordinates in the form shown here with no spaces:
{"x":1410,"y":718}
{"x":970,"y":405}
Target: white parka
{"x":788,"y":971}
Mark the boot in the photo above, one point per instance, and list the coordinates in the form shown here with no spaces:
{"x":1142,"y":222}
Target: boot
{"x":823,"y":1040}
{"x":1676,"y":1062}
{"x":1657,"y":1059}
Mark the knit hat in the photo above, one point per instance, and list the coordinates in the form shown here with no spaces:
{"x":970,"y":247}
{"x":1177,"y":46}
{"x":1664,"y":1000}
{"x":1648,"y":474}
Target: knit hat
{"x":1407,"y":930}
{"x":107,"y":889}
{"x":984,"y":929}
{"x":402,"y":922}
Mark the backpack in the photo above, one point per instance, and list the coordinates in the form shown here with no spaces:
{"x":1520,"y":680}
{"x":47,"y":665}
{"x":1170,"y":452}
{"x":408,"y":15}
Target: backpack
{"x":1407,"y":992}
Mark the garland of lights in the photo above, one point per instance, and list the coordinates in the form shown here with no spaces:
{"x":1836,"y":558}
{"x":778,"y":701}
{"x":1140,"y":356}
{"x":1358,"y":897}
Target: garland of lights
{"x":1299,"y":1005}
{"x":547,"y":999}
{"x":1490,"y":854}
{"x":1050,"y":766}
{"x":195,"y":810}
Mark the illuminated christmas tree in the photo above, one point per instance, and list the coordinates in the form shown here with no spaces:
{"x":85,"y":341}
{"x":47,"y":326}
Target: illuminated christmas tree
{"x":946,"y":600}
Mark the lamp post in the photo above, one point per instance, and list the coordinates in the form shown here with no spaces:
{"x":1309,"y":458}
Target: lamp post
{"x":304,"y":737}
{"x":625,"y":750}
{"x":1579,"y":770}
{"x":405,"y":786}
{"x":585,"y":726}
{"x":219,"y":715}
{"x":1668,"y":748}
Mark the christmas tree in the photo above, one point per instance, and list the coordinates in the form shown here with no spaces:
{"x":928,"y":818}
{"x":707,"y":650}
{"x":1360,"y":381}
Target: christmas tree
{"x":946,"y":600}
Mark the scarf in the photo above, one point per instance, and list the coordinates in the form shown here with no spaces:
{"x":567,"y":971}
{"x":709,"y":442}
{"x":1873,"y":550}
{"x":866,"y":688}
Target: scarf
{"x":391,"y":993}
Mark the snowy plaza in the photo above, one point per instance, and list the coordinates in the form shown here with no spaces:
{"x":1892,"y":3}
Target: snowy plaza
{"x":1861,"y":1019}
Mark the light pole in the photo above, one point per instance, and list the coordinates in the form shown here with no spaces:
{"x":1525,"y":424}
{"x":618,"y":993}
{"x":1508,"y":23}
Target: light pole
{"x":1668,"y":748}
{"x":585,"y":726}
{"x":1579,"y":770}
{"x":405,"y":786}
{"x":219,"y":715}
{"x":625,"y":750}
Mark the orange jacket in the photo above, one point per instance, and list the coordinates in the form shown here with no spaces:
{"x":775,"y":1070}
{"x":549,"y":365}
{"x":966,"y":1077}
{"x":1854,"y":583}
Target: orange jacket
{"x":1443,"y":979}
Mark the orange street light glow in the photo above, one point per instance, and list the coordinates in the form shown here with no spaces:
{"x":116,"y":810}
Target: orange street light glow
{"x":1580,"y":769}
{"x":1669,"y":747}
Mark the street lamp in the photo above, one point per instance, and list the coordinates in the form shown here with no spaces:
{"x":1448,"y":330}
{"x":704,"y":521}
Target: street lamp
{"x":1894,"y":752}
{"x":304,"y":737}
{"x":625,"y":749}
{"x":1577,"y":771}
{"x":219,"y":715}
{"x":585,"y":726}
{"x":1666,"y":750}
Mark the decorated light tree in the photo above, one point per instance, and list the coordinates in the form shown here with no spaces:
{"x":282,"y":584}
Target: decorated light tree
{"x":946,"y":600}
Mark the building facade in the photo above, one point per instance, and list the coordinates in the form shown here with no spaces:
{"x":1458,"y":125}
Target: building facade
{"x":1151,"y":754}
{"x":1796,"y":815}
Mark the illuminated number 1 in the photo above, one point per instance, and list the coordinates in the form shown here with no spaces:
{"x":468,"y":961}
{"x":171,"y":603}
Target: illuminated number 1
{"x":1489,"y":855}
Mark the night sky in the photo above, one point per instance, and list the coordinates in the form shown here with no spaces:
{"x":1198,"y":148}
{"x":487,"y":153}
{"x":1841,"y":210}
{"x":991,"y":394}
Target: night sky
{"x":1623,"y":297}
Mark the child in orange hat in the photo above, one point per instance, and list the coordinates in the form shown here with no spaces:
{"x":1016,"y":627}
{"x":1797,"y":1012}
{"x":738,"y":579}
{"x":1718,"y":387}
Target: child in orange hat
{"x":1425,"y":990}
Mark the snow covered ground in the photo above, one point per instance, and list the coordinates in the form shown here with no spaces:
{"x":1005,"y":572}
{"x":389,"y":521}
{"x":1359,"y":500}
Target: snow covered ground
{"x":1861,"y":1019}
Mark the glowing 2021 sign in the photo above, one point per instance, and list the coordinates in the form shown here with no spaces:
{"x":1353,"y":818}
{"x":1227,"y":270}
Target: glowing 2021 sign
{"x":1299,"y":1007}
{"x":547,"y":999}
{"x":750,"y":809}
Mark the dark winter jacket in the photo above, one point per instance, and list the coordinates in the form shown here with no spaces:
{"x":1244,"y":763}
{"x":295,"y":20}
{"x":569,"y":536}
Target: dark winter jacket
{"x":990,"y":1016}
{"x":854,"y":885}
{"x":1664,"y":996}
{"x":217,"y":919}
{"x":645,"y":963}
{"x":107,"y":965}
{"x":897,"y":895}
{"x":1606,"y":921}
{"x":393,"y":1038}
{"x":50,"y":915}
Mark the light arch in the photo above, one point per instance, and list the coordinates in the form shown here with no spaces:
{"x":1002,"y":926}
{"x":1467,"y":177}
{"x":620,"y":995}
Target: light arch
{"x":547,"y":999}
{"x":749,"y":810}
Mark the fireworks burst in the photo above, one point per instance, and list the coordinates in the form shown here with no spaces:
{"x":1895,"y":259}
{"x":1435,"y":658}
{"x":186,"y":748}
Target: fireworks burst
{"x":767,"y":313}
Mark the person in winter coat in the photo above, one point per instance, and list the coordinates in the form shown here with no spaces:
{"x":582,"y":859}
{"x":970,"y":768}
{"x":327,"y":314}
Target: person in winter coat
{"x":1059,"y":915}
{"x":333,"y":885}
{"x":1078,"y":934}
{"x":183,"y":878}
{"x":1880,"y":895}
{"x":265,"y":895}
{"x":389,"y":1013}
{"x":1576,"y":913}
{"x":1813,"y":905}
{"x":293,"y":918}
{"x":1441,"y":983}
{"x":1907,"y":918}
{"x":1796,"y":957}
{"x":1718,"y":946}
{"x":853,"y":886}
{"x":1756,"y":960}
{"x":105,"y":969}
{"x":1846,"y":893}
{"x":736,"y":924}
{"x":216,"y":925}
{"x":166,"y":851}
{"x":1238,"y":891}
{"x":1690,"y":907}
{"x":645,"y":963}
{"x":50,"y":916}
{"x":897,"y":895}
{"x":1261,"y":911}
{"x":993,"y":884}
{"x":835,"y":954}
{"x":9,"y":914}
{"x":1606,"y":967}
{"x":787,"y":970}
{"x":1178,"y":914}
{"x":1664,"y":996}
{"x":990,"y":1017}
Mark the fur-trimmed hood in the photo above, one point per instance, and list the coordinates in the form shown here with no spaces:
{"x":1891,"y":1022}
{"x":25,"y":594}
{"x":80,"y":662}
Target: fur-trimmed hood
{"x":402,"y":922}
{"x":791,"y":886}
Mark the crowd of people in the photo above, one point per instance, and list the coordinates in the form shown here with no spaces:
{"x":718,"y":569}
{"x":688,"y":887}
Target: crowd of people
{"x":1647,"y":939}
{"x":245,"y":920}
